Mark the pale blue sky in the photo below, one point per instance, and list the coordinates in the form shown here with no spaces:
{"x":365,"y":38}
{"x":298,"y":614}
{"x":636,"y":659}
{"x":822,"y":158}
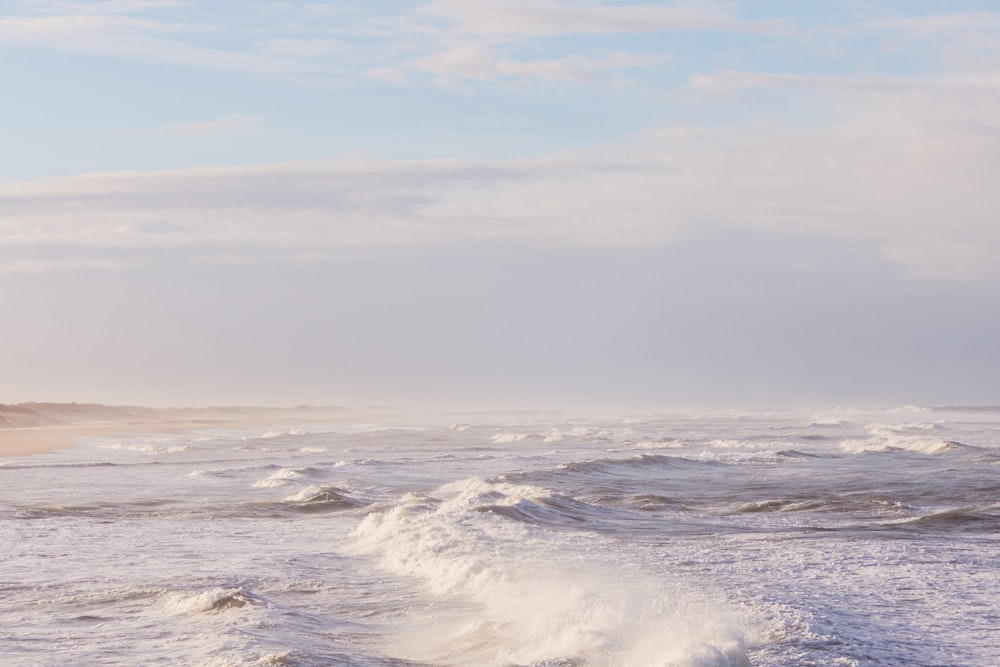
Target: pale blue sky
{"x":500,"y":202}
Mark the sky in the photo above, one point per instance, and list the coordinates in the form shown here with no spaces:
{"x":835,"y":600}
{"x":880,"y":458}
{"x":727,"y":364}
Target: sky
{"x":500,"y":203}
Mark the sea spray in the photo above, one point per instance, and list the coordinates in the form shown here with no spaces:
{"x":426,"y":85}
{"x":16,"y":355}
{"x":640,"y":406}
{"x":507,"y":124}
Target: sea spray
{"x":521,"y":602}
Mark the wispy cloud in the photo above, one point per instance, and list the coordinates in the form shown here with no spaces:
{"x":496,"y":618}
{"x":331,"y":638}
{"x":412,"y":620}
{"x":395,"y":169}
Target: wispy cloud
{"x":221,"y":125}
{"x":530,"y":18}
{"x":112,"y":30}
{"x":920,"y":191}
{"x":108,"y":6}
{"x":339,"y":46}
{"x":901,"y":162}
{"x":934,"y":25}
{"x":306,"y":48}
{"x":452,"y":40}
{"x":482,"y":64}
{"x":734,"y":80}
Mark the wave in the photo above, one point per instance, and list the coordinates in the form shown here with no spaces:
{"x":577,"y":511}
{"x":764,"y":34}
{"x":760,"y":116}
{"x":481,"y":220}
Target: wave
{"x":659,"y":443}
{"x":310,"y":500}
{"x":651,"y":502}
{"x":915,"y":437}
{"x":233,"y":472}
{"x":642,"y":461}
{"x":955,"y":520}
{"x":557,"y":511}
{"x":839,"y":504}
{"x":526,"y":599}
{"x":797,"y":454}
{"x":213,"y":600}
{"x":508,"y":438}
{"x":314,"y":499}
{"x":16,"y":465}
{"x":285,"y":476}
{"x":145,"y":447}
{"x":101,"y":511}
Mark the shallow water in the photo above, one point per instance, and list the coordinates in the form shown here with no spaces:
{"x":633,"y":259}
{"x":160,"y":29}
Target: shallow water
{"x":806,"y":537}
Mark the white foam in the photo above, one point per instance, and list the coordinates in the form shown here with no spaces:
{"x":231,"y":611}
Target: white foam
{"x":213,"y":600}
{"x":254,"y":660}
{"x":507,"y":438}
{"x":303,"y":494}
{"x":912,"y":437}
{"x":908,"y":409}
{"x":529,"y":602}
{"x":144,"y":448}
{"x":656,"y":444}
{"x":270,"y":483}
{"x":281,"y":477}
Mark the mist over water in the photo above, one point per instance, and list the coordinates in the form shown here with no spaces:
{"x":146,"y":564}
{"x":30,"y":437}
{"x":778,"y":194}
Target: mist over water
{"x":805,"y":537}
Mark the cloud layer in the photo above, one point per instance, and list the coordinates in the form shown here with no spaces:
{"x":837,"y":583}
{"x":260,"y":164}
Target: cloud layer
{"x":919,"y":186}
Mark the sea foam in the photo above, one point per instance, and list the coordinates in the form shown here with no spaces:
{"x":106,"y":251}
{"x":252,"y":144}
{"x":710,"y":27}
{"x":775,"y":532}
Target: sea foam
{"x":524,"y":605}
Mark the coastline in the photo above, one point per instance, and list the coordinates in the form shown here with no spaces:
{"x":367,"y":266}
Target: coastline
{"x":28,"y":441}
{"x":32,"y":429}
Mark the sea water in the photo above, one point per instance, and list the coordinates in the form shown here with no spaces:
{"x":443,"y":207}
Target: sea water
{"x":801,"y":537}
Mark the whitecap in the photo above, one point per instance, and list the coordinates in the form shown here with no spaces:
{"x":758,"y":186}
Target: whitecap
{"x":529,"y":607}
{"x":213,"y":600}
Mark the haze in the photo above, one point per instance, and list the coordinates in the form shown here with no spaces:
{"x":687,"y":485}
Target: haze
{"x":500,"y":203}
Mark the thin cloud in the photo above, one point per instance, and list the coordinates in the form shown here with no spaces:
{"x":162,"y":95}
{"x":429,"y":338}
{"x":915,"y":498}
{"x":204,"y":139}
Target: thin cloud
{"x":156,"y":41}
{"x":735,"y":80}
{"x":522,"y":18}
{"x":231,"y":123}
{"x":351,"y":47}
{"x":109,"y":6}
{"x":963,"y":40}
{"x":306,"y":48}
{"x":482,"y":64}
{"x":934,"y":25}
{"x":919,"y":190}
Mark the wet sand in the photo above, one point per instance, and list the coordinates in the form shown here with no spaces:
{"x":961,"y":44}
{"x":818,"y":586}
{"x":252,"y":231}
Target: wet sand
{"x":37,"y":440}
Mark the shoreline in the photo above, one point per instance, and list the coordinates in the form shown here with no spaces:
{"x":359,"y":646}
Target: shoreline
{"x":28,"y":441}
{"x":34,"y":438}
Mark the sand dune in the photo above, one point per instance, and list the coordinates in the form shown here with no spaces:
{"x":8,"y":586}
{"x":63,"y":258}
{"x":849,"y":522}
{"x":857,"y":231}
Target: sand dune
{"x":35,"y":428}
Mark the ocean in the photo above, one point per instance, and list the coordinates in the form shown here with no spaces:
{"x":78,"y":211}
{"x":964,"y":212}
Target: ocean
{"x":848,"y":537}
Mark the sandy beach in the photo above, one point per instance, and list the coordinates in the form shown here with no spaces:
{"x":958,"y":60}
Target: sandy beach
{"x":39,"y":439}
{"x":36,"y":428}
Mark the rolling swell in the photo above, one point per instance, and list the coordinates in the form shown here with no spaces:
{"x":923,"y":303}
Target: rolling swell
{"x":99,"y":511}
{"x":961,"y":520}
{"x":642,"y":462}
{"x":311,"y":500}
{"x":556,"y":511}
{"x":850,"y":503}
{"x":324,"y":499}
{"x":623,"y":477}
